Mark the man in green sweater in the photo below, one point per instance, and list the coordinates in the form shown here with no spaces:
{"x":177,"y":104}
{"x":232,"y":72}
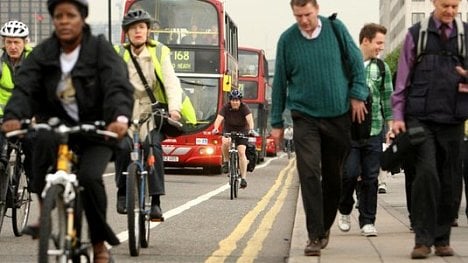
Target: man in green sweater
{"x":310,"y":80}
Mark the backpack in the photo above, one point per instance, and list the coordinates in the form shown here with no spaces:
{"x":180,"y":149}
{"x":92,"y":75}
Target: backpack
{"x":360,"y":131}
{"x":251,"y":153}
{"x":422,"y":40}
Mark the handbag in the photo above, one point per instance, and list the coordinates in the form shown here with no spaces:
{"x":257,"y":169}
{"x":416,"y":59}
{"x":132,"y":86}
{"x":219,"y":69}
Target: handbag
{"x":165,"y":127}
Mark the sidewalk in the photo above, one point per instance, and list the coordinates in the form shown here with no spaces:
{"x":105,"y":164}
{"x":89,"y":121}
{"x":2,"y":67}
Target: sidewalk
{"x":394,"y":242}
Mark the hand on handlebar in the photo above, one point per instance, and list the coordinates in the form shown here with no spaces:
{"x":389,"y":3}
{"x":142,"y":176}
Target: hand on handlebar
{"x":11,"y":125}
{"x":253,"y":133}
{"x":214,"y":131}
{"x":119,"y":128}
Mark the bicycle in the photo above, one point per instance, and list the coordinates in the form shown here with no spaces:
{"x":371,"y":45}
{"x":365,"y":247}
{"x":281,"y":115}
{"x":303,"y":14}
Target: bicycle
{"x":234,"y":170}
{"x":138,"y":201}
{"x":14,"y":187}
{"x":288,"y":147}
{"x":60,"y":237}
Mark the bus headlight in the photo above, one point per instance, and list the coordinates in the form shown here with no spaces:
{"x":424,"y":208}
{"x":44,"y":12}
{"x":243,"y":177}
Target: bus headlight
{"x":206,"y":151}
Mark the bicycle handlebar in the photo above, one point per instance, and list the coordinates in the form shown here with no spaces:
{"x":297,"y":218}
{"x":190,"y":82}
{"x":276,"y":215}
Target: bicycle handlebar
{"x":160,"y":113}
{"x":60,"y":128}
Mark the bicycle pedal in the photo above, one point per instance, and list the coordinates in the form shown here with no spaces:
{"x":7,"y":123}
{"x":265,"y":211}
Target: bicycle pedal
{"x":157,"y":219}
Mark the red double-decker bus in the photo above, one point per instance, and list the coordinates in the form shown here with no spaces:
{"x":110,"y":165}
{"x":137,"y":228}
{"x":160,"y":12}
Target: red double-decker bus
{"x":203,"y":40}
{"x":253,"y":82}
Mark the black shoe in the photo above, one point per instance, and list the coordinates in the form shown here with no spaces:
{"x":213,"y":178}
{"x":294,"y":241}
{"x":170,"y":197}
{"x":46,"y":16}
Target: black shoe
{"x":156,"y":214}
{"x":225,"y":168}
{"x":243,"y":183}
{"x":121,"y":205}
{"x":32,"y":231}
{"x":324,"y":240}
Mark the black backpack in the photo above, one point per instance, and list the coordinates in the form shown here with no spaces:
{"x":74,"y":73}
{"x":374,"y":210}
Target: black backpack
{"x":251,"y":153}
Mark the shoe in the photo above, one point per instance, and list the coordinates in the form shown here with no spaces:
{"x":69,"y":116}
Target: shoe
{"x":420,"y":251}
{"x":101,"y":254}
{"x":324,"y":240}
{"x":243,"y":183}
{"x":225,"y":168}
{"x":313,"y":248}
{"x":455,"y":222}
{"x":156,"y":214}
{"x":122,"y":205}
{"x":444,"y":251}
{"x":382,"y":188}
{"x":344,"y":223}
{"x":31,"y":230}
{"x":369,"y":230}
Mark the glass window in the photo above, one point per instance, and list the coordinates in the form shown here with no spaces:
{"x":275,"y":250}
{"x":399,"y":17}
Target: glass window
{"x":249,"y":89}
{"x":248,"y":64}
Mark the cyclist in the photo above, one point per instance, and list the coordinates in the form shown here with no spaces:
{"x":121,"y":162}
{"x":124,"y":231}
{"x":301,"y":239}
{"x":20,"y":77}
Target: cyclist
{"x":154,"y":59}
{"x":78,"y":78}
{"x":237,"y":117}
{"x":15,"y":50}
{"x":288,"y":138}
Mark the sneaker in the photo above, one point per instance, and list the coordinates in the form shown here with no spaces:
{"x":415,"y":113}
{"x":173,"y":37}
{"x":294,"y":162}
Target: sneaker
{"x":344,"y":223}
{"x":369,"y":230}
{"x":243,"y":183}
{"x":225,"y":168}
{"x":382,"y":188}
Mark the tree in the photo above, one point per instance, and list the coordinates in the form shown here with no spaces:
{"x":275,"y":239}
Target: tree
{"x":392,"y":59}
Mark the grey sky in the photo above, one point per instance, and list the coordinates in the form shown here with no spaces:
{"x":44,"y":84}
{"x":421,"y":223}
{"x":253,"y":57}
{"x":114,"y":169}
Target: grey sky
{"x":261,"y":22}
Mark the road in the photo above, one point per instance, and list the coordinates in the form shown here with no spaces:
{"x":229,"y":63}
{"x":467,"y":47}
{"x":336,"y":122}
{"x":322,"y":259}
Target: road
{"x":202,"y":224}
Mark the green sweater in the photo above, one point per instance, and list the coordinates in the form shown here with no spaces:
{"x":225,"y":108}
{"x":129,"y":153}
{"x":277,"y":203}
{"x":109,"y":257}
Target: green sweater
{"x":310,"y":77}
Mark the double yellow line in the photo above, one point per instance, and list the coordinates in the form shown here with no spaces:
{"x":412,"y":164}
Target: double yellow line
{"x":255,"y":243}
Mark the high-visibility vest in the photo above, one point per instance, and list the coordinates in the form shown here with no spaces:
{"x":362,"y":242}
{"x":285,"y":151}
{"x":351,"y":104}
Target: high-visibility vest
{"x":6,"y":78}
{"x":159,"y":52}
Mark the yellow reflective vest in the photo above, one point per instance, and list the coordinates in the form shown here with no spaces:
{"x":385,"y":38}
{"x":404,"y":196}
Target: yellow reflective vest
{"x":159,"y":52}
{"x":6,"y":77}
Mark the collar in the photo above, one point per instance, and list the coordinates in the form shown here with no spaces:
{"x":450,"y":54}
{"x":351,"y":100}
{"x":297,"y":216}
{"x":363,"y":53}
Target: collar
{"x":316,"y":32}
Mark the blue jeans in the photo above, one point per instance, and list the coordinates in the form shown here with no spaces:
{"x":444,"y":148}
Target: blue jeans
{"x":364,"y":161}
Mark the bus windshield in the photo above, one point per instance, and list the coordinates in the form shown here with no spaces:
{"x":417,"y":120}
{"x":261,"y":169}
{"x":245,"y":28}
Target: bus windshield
{"x":181,"y":22}
{"x":248,"y":64}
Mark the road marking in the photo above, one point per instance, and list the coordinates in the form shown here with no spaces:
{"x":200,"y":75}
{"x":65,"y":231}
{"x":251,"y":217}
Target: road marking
{"x":123,"y":236}
{"x":229,"y":244}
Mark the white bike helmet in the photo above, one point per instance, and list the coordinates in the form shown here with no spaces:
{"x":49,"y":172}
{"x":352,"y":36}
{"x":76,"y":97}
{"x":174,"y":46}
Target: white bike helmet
{"x":14,"y":29}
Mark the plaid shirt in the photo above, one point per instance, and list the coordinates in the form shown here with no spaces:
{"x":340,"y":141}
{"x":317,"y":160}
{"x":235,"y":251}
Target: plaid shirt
{"x":374,"y":80}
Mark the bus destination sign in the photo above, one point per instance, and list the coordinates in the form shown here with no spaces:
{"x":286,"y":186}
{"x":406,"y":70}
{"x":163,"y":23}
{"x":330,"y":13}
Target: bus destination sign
{"x":183,"y":60}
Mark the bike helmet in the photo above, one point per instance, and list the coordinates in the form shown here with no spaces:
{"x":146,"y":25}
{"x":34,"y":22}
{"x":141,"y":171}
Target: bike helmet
{"x":14,"y":29}
{"x":235,"y":94}
{"x":134,"y":16}
{"x":82,"y":6}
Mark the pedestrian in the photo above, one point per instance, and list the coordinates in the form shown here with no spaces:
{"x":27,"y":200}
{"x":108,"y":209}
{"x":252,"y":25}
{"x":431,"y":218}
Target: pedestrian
{"x":78,"y":78}
{"x":428,"y":95}
{"x":311,"y":81}
{"x":364,"y":157}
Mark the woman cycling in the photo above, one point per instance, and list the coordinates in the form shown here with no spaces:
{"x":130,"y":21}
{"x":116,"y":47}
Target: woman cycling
{"x":78,"y":78}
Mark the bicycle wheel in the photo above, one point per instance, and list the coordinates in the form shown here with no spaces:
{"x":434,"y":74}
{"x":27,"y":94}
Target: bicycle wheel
{"x":289,"y":149}
{"x":52,"y":233}
{"x":80,"y":249}
{"x":133,"y":210}
{"x":233,"y":176}
{"x":4,"y":181}
{"x":145,"y":210}
{"x":20,"y":195}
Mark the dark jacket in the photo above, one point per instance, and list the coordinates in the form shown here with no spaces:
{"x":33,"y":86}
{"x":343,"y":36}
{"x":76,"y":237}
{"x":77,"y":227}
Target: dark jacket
{"x":100,"y":78}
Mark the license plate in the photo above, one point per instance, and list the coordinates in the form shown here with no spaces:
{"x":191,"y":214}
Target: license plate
{"x":201,"y":141}
{"x":171,"y":158}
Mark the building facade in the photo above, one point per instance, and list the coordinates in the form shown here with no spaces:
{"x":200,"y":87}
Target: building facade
{"x":398,"y":15}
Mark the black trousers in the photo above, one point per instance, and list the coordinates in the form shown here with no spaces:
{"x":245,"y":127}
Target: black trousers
{"x":462,"y":180}
{"x":93,"y":160}
{"x":122,"y":160}
{"x":436,"y":166}
{"x":322,"y":145}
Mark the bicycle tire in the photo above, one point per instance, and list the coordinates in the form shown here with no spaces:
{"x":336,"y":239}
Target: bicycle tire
{"x":4,"y":181}
{"x":133,"y":210}
{"x":233,"y":176}
{"x":145,"y":210}
{"x":20,"y":195}
{"x":79,"y":248}
{"x":289,"y":149}
{"x":52,"y":233}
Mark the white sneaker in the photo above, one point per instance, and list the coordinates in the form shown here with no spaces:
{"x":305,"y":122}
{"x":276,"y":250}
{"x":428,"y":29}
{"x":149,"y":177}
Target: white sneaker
{"x":382,"y":188}
{"x":344,"y":223}
{"x":369,"y":230}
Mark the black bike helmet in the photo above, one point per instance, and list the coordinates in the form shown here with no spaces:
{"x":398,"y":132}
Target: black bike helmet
{"x":235,"y":94}
{"x":134,"y":16}
{"x":82,"y":6}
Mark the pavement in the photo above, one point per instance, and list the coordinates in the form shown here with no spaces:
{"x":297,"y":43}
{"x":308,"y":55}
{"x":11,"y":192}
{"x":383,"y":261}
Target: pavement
{"x":394,"y":242}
